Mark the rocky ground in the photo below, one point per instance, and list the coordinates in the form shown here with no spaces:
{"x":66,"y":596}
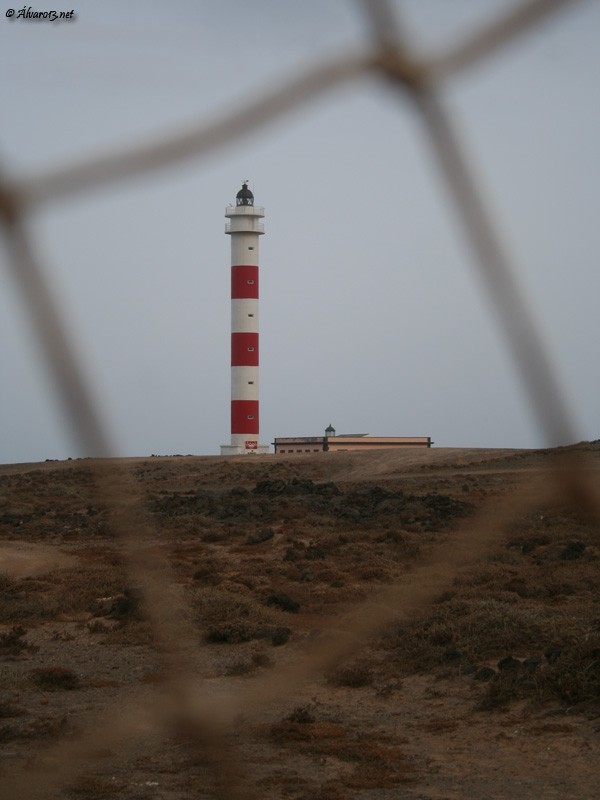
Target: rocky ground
{"x":375,"y":625}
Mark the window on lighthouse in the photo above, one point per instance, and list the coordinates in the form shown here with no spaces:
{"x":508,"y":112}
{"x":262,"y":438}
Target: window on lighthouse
{"x":250,"y":349}
{"x":250,"y":280}
{"x":250,"y":416}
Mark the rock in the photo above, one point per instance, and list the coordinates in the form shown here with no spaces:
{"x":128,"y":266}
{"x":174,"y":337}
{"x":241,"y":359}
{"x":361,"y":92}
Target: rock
{"x":301,"y":715}
{"x":280,"y":636}
{"x":291,"y":554}
{"x":451,"y":655}
{"x":314,"y":553}
{"x":103,"y":606}
{"x":207,"y":576}
{"x":484,"y":674}
{"x":270,"y":487}
{"x":553,"y":653}
{"x":117,"y":605}
{"x":262,"y":536}
{"x":532,"y":663}
{"x":509,"y":663}
{"x":284,"y":602}
{"x":573,"y":551}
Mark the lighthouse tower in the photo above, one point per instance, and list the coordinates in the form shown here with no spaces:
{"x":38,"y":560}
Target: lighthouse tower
{"x":244,"y":227}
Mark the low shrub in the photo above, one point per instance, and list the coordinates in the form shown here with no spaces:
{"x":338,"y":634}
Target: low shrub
{"x":54,"y":678}
{"x":12,"y":643}
{"x":249,"y":666}
{"x":570,"y":674}
{"x":230,"y":617}
{"x":478,"y":629}
{"x":353,"y":676}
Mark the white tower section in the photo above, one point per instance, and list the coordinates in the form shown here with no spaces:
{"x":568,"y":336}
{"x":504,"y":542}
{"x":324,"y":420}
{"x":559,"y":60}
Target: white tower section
{"x":244,"y":227}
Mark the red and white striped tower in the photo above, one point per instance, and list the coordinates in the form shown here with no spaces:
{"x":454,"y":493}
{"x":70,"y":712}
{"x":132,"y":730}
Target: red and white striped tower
{"x":244,"y":227}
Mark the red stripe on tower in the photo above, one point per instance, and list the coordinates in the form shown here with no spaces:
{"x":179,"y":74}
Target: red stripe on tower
{"x":244,"y":281}
{"x":244,"y":417}
{"x":244,"y":227}
{"x":244,"y":349}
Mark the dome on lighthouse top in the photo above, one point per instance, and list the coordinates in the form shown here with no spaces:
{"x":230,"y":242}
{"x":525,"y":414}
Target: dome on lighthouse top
{"x":244,"y":197}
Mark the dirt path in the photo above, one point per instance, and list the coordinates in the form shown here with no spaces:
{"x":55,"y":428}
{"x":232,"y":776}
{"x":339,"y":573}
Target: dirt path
{"x":25,"y":560}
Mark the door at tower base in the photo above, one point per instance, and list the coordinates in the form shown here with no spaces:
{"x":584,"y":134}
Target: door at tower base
{"x":244,"y":449}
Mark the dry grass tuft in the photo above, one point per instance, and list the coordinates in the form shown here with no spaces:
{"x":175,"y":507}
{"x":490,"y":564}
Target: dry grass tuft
{"x":377,"y":762}
{"x":227,"y":616}
{"x":96,"y":787}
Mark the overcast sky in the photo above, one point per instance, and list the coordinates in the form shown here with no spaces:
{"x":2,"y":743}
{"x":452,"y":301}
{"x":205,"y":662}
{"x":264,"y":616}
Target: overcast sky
{"x":371,"y":316}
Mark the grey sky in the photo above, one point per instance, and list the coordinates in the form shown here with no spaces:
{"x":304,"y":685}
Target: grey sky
{"x":371,"y":316}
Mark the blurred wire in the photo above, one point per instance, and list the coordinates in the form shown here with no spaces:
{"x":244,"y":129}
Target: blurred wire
{"x":76,"y":398}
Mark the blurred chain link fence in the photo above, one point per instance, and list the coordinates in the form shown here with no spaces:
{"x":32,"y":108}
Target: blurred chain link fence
{"x":184,"y":706}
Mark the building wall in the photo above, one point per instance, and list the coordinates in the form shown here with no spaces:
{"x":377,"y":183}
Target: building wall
{"x":376,"y":442}
{"x":297,"y":450}
{"x":316,"y":444}
{"x":299,"y":444}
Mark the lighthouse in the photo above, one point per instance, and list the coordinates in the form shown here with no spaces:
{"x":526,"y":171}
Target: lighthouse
{"x":244,"y":226}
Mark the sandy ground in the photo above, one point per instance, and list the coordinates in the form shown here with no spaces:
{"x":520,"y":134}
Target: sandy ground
{"x":26,"y":560}
{"x":336,"y":535}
